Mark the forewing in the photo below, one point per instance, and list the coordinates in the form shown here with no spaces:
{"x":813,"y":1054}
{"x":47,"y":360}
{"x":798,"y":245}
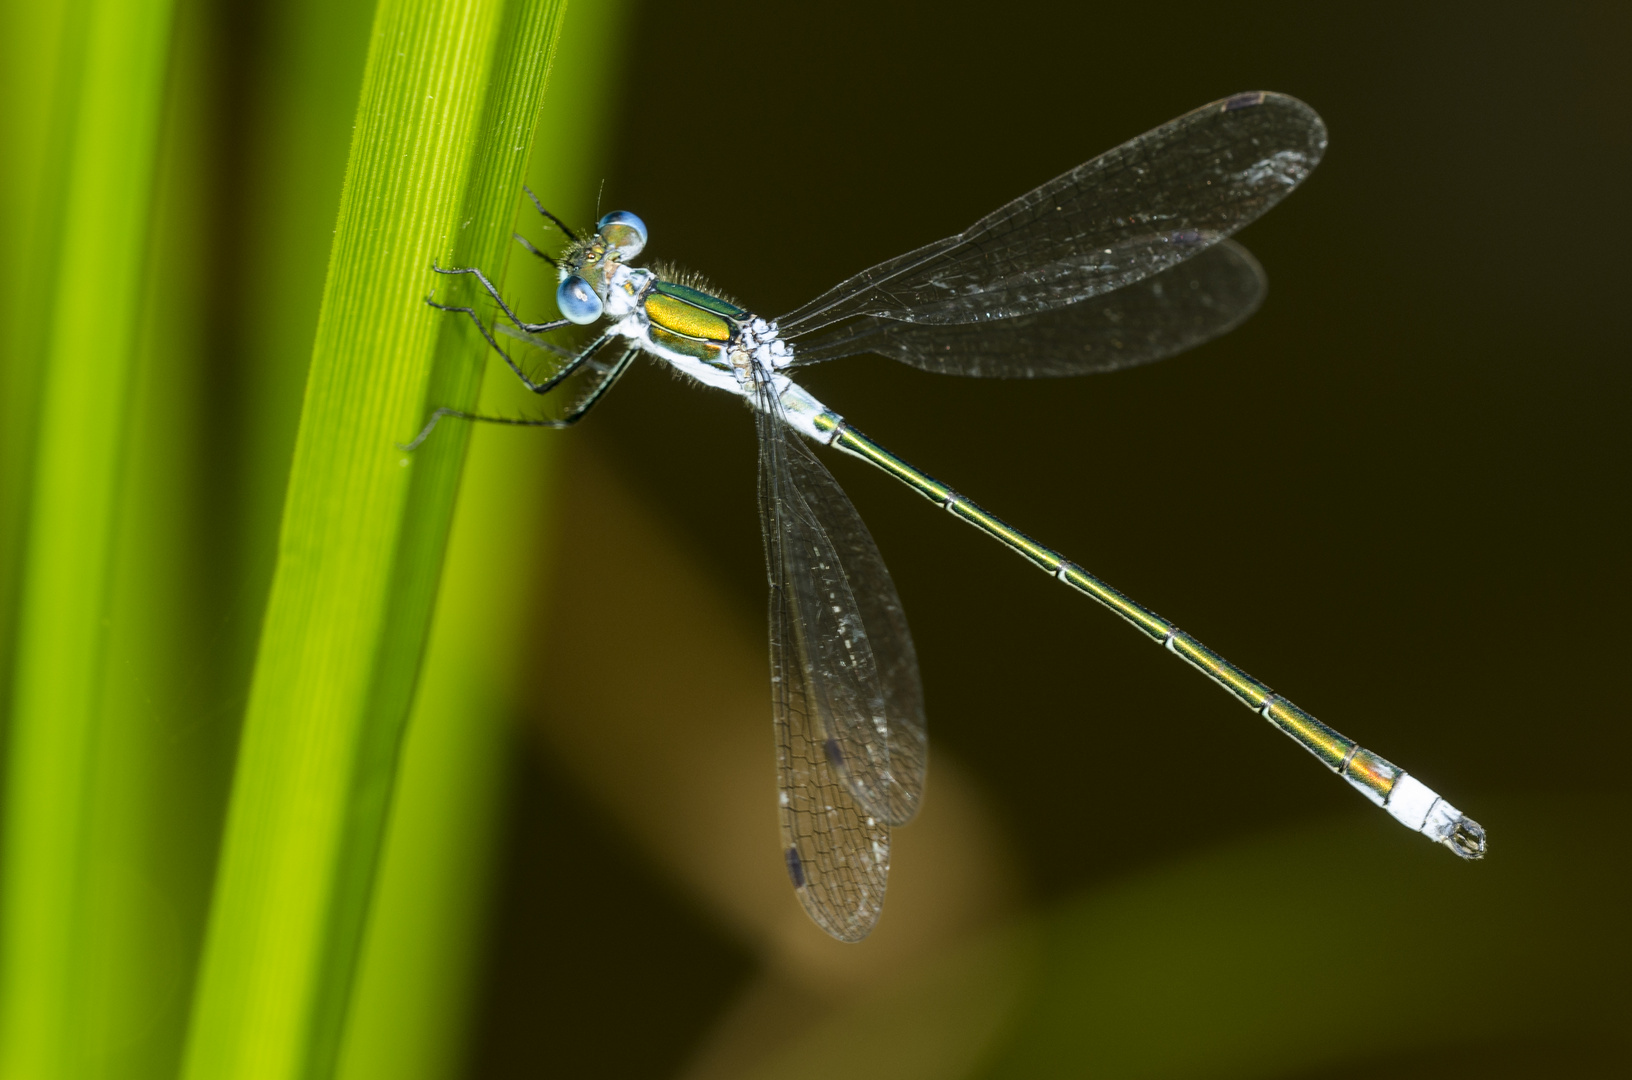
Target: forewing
{"x":1128,"y":214}
{"x":1172,"y":311}
{"x":849,"y":634}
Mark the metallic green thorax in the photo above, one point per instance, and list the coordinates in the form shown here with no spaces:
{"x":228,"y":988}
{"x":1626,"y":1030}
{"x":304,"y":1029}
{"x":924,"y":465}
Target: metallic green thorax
{"x":689,"y":321}
{"x":1372,"y":775}
{"x":699,"y":299}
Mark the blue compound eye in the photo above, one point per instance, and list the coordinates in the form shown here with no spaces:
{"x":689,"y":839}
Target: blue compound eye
{"x":623,"y":232}
{"x":577,"y":301}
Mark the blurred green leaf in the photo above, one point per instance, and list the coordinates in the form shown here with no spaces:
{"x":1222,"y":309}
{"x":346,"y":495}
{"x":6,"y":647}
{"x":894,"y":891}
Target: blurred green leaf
{"x":94,"y":125}
{"x":39,"y":72}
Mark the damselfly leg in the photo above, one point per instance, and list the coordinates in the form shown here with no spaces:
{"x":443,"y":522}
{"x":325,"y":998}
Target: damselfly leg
{"x":563,"y":226}
{"x":575,"y":363}
{"x":531,"y":328}
{"x":599,"y":390}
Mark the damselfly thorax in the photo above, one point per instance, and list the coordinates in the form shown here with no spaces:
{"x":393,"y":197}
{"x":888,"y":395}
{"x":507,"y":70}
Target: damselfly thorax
{"x":697,"y":333}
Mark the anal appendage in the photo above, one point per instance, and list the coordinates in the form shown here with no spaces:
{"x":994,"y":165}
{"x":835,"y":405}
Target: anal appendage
{"x":1419,"y":808}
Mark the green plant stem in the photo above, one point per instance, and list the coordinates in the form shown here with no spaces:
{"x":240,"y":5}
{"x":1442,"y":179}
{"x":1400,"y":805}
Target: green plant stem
{"x":118,"y":51}
{"x":434,"y":170}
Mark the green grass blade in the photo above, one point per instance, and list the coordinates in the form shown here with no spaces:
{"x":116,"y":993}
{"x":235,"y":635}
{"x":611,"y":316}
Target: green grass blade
{"x":435,"y":166}
{"x":114,"y":61}
{"x":301,"y":113}
{"x":412,"y":1007}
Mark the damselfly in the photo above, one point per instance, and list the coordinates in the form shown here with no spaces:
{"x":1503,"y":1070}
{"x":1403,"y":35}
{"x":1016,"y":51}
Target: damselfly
{"x":1123,"y":260}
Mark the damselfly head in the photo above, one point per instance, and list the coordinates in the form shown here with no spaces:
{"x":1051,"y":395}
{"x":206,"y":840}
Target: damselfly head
{"x":589,"y":266}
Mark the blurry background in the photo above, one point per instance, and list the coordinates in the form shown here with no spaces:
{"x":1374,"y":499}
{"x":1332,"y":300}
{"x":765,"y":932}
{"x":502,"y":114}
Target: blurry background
{"x":1397,"y":495}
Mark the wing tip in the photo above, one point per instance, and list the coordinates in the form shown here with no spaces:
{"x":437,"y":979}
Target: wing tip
{"x":1252,"y":99}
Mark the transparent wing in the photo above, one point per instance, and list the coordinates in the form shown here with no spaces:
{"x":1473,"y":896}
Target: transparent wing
{"x":837,"y":854}
{"x":1124,"y":216}
{"x":1165,"y":314}
{"x":851,"y":743}
{"x":849,"y":634}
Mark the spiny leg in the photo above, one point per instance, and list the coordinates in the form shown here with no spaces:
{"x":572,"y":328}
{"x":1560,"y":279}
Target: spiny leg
{"x":574,"y":237}
{"x":538,"y":388}
{"x":528,"y":244}
{"x":532,"y":249}
{"x":568,"y":420}
{"x":531,"y":328}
